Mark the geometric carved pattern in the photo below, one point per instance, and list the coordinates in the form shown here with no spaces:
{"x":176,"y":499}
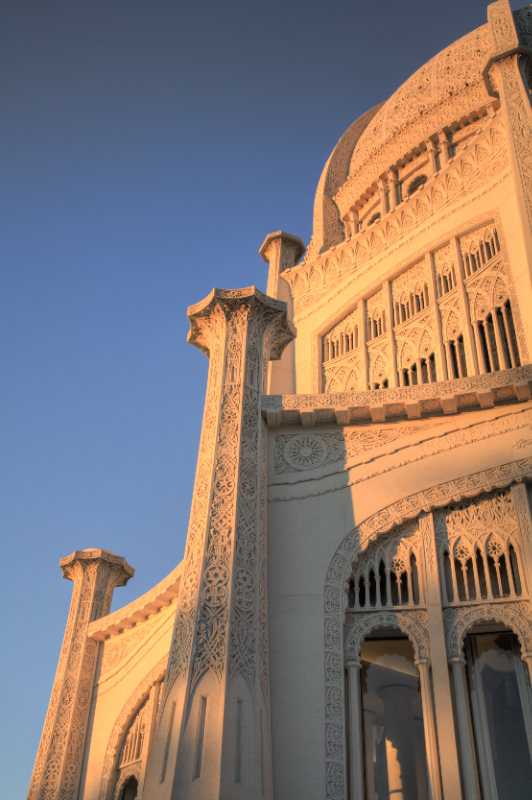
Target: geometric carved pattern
{"x":222,"y":555}
{"x":413,"y":623}
{"x":335,"y":599}
{"x":457,"y":621}
{"x":301,"y":452}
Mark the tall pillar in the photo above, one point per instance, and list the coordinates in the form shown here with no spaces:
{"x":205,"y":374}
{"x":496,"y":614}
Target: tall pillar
{"x":388,"y":299}
{"x":450,"y":772}
{"x":362,"y":341}
{"x":213,"y":734}
{"x":281,"y":251}
{"x":57,"y":770}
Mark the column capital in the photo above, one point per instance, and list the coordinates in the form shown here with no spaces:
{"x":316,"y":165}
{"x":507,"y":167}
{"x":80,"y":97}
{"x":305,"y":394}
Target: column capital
{"x":69,"y":564}
{"x":205,"y":316}
{"x":292,"y":243}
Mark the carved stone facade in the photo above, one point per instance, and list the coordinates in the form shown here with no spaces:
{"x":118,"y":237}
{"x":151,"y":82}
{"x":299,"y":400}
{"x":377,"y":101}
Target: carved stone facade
{"x":360,"y":539}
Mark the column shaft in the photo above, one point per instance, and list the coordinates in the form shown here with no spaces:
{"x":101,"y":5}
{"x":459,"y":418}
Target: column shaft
{"x":431,"y":740}
{"x":465,"y":732}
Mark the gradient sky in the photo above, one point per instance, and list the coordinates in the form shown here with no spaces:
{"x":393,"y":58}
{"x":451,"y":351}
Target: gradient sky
{"x":148,"y":148}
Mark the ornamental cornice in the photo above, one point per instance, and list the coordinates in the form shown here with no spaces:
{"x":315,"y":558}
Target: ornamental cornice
{"x":380,"y":405}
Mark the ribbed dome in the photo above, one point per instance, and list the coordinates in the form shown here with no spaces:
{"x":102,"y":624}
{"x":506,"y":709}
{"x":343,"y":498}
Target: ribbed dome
{"x":448,"y":87}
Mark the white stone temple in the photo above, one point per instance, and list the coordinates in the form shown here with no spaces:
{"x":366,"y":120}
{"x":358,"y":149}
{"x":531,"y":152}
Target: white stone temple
{"x":352,"y":617}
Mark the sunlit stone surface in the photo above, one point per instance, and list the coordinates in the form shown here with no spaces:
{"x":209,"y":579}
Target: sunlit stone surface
{"x":352,"y":615}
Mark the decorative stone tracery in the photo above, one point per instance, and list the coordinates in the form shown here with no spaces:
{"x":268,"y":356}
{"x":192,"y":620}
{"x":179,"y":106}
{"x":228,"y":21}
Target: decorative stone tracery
{"x":412,"y":623}
{"x":457,"y":621}
{"x":335,"y":598}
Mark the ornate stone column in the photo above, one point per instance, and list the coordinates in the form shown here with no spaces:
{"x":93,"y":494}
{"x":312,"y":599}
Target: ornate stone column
{"x":281,"y":251}
{"x":215,"y":709}
{"x":439,"y":355}
{"x":469,"y":341}
{"x":56,"y":774}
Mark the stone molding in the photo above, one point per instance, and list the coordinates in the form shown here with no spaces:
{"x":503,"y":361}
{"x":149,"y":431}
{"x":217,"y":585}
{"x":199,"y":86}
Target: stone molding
{"x":423,"y":449}
{"x":151,"y":602}
{"x":334,"y":592}
{"x":379,"y":404}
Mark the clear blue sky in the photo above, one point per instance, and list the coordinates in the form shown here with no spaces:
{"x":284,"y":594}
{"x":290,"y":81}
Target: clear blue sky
{"x":148,"y":148}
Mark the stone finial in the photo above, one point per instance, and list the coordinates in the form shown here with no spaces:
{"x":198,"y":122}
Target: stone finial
{"x":281,"y":251}
{"x":295,"y":244}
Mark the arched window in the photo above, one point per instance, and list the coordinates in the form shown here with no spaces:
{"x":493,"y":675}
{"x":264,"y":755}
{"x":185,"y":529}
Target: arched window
{"x":392,"y":720}
{"x":499,"y":693}
{"x":496,"y":339}
{"x":416,"y":184}
{"x":375,"y":218}
{"x":129,"y":789}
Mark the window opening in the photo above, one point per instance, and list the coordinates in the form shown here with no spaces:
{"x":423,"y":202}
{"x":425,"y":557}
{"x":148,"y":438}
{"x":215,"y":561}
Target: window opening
{"x":416,"y":184}
{"x":392,"y":721}
{"x":500,"y":693}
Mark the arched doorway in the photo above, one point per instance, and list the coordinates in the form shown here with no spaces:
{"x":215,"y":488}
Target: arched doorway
{"x":130,"y":789}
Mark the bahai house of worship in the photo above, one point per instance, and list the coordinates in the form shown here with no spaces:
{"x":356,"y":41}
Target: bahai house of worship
{"x":352,"y":618}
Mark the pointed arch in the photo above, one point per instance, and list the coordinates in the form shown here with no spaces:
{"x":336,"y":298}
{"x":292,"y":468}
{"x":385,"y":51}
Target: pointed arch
{"x":123,"y":721}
